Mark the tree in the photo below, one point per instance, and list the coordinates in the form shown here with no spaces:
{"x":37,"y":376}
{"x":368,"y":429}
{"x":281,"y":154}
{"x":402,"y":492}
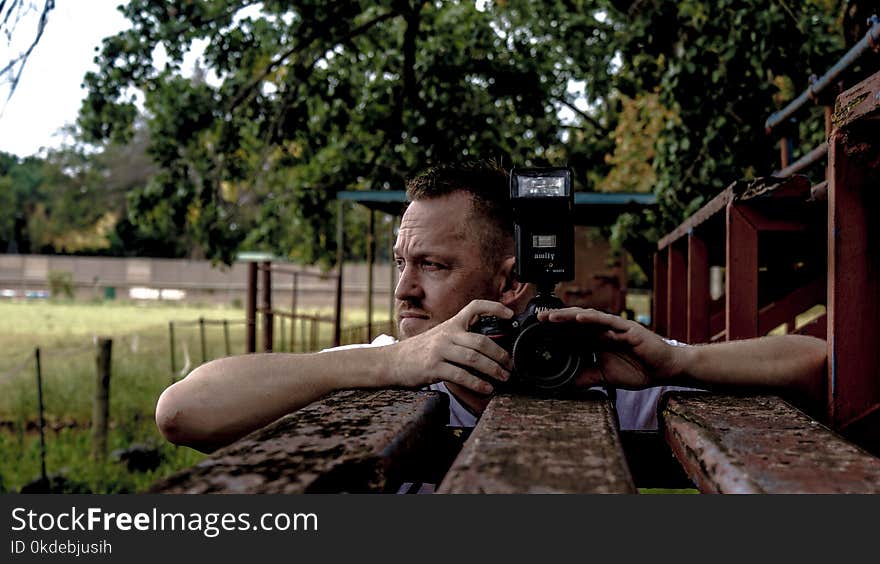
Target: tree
{"x":294,"y":103}
{"x":326,"y":96}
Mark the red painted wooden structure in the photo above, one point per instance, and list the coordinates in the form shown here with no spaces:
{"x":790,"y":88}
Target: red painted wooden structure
{"x":787,"y":245}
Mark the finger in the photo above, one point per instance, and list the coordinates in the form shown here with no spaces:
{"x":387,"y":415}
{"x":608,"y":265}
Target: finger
{"x":486,"y":346}
{"x":460,"y":376}
{"x":469,"y":314}
{"x":470,"y":358}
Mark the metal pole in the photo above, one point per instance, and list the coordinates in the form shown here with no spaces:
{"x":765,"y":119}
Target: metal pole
{"x":226,"y":337}
{"x":41,"y":416}
{"x":250,"y":341}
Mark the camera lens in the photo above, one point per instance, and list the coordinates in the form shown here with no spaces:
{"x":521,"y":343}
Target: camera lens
{"x":546,"y":356}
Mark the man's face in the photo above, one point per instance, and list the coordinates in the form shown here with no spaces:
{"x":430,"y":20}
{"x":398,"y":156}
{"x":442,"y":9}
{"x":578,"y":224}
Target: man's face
{"x":440,"y":263}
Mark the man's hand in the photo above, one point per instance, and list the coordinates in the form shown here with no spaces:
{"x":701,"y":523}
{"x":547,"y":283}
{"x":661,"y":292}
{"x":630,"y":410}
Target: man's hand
{"x":630,"y":355}
{"x":447,"y":351}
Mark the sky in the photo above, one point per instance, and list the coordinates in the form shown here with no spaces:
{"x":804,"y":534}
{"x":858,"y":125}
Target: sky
{"x":49,"y":93}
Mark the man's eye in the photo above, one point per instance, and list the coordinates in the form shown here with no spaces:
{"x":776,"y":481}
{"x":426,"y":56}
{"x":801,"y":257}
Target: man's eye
{"x":428,"y":265}
{"x":400,"y":264}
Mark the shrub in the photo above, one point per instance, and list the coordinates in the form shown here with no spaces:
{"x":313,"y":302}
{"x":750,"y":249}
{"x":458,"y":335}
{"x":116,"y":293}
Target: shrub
{"x":60,"y":283}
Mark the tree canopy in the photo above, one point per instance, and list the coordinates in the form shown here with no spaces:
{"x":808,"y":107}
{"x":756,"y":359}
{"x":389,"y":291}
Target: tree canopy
{"x":293,"y":102}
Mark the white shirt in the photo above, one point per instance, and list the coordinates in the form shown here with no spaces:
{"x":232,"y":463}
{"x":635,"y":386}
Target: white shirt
{"x":636,"y":409}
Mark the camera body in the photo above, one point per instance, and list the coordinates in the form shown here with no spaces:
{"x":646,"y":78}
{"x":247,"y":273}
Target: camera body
{"x":547,"y":357}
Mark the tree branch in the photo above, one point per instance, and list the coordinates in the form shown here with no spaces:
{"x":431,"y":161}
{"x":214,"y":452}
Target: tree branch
{"x":301,"y":46}
{"x":587,"y":117}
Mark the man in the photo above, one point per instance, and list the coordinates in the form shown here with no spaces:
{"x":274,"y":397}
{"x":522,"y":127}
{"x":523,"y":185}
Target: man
{"x":454,"y":251}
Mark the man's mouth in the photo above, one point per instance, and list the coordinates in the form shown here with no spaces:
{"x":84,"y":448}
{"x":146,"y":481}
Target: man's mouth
{"x":412,"y":315}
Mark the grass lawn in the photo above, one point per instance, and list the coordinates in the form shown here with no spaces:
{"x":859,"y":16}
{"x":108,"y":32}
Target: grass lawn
{"x":141,"y":369}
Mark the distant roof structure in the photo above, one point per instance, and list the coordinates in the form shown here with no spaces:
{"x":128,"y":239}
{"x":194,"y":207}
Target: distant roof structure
{"x":590,"y":208}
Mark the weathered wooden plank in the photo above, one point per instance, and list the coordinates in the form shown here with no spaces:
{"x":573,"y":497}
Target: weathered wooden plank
{"x":761,"y":444}
{"x":529,"y":445}
{"x":854,"y":263}
{"x":354,"y":441}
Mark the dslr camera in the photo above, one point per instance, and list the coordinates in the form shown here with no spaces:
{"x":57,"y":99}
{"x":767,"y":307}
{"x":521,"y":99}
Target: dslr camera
{"x":547,"y":357}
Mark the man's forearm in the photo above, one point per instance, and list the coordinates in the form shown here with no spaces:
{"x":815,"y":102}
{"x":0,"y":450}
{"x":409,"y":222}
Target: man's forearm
{"x":784,"y":363}
{"x":225,"y":399}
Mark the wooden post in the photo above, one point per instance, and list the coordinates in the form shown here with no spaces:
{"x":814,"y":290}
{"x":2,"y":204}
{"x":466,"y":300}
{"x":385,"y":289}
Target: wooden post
{"x":340,"y":255}
{"x":854,"y":266}
{"x":171,"y":348}
{"x":250,"y":341}
{"x":392,"y":270}
{"x":42,"y":419}
{"x":226,"y":337}
{"x":371,"y":252}
{"x":676,"y":292}
{"x":202,"y":340}
{"x":698,"y":296}
{"x":741,"y":292}
{"x":101,"y":407}
{"x":293,"y":313}
{"x":266,"y":307}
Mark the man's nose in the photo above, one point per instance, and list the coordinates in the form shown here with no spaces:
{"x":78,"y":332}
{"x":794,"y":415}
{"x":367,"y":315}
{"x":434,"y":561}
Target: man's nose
{"x":408,"y":285}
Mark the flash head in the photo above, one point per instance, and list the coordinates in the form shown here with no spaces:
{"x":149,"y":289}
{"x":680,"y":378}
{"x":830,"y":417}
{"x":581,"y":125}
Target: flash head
{"x":540,"y":183}
{"x":543,"y":211}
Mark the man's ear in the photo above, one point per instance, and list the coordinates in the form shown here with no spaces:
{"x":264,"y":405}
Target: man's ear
{"x":512,"y":293}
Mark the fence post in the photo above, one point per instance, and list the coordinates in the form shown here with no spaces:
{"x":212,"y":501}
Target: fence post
{"x":293,"y":314}
{"x":340,"y":256}
{"x":202,"y":339}
{"x":42,"y":419}
{"x":250,"y":341}
{"x":226,"y":336}
{"x":173,"y":359}
{"x":101,"y":408}
{"x":266,"y":307}
{"x":371,"y":258}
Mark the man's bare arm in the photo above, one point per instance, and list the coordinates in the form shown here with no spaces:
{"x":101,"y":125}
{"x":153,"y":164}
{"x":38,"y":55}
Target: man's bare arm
{"x":225,"y":399}
{"x":792,"y":365}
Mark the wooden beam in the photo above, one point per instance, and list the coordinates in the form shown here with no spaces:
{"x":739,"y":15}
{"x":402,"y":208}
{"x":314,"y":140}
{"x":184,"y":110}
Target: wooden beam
{"x":529,"y":445}
{"x":761,"y":444}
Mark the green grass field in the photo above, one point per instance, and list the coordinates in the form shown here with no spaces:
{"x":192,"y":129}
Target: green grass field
{"x":141,"y":369}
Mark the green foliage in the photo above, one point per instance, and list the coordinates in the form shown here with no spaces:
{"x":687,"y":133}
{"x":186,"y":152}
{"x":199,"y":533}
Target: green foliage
{"x":60,"y":284}
{"x":325,"y":96}
{"x":292,"y":103}
{"x":721,"y":68}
